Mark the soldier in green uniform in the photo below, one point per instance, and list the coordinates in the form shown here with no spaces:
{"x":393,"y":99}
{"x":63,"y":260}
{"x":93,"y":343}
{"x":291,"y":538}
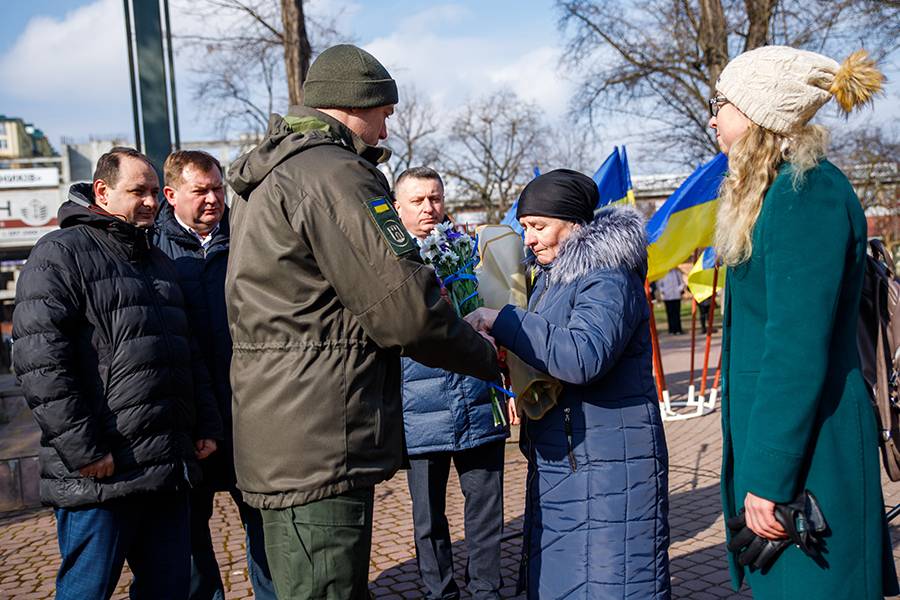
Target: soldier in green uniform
{"x":325,"y":293}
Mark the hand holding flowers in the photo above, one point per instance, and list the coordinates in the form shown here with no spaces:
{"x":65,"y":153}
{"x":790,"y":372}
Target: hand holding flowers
{"x":453,"y":256}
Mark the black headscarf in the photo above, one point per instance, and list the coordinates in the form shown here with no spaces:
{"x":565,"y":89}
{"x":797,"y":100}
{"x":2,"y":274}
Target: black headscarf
{"x":561,"y":194}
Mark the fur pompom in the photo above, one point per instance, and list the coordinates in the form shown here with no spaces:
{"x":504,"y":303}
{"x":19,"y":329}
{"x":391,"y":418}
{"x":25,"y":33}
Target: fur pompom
{"x":856,"y":81}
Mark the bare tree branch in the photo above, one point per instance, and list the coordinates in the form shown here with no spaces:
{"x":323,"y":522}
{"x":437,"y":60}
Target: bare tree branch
{"x":413,"y":131}
{"x":661,"y":58}
{"x":495,"y":143}
{"x":251,"y":57}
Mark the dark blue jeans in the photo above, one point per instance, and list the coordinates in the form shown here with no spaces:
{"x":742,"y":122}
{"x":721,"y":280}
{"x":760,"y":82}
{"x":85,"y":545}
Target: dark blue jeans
{"x":206,"y":581}
{"x":480,"y":472}
{"x":150,"y":531}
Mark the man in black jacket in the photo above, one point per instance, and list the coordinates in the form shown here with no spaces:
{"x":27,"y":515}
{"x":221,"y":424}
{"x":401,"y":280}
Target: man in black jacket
{"x":104,"y":357}
{"x":192,"y":229}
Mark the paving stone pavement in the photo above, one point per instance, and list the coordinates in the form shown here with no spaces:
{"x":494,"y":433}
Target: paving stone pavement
{"x":29,"y":557}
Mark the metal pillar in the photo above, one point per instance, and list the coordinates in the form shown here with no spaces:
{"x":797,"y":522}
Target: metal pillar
{"x":151,"y":95}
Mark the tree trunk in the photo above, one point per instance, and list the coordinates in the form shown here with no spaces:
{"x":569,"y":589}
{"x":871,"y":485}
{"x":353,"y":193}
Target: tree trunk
{"x":759,"y":13}
{"x":296,"y":48}
{"x":713,"y":40}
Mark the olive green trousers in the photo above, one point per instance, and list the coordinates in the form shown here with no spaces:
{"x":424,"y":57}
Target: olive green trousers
{"x":321,"y":550}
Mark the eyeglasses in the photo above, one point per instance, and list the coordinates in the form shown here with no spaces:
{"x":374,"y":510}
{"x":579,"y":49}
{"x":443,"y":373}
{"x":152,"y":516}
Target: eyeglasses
{"x":715,"y":104}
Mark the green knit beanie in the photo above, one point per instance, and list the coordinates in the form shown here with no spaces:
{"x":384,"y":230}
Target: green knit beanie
{"x":345,"y":76}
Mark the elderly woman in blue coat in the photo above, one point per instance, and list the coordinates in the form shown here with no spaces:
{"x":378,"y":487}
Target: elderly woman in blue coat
{"x":596,"y":522}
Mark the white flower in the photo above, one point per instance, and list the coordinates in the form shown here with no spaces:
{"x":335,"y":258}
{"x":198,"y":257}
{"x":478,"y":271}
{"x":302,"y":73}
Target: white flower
{"x":443,"y":228}
{"x":428,"y":254}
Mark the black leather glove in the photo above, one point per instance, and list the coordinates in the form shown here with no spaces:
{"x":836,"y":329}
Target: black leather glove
{"x":801,"y":518}
{"x":804,"y":523}
{"x":752,"y":550}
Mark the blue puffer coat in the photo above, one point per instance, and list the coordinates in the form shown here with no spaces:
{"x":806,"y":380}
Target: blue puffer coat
{"x":201,"y":274}
{"x":596,"y":523}
{"x":446,"y":412}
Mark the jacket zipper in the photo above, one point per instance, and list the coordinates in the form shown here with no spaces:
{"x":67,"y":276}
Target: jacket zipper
{"x":537,"y":302}
{"x":567,"y":421}
{"x":522,"y":582}
{"x":154,"y":300}
{"x":567,"y":412}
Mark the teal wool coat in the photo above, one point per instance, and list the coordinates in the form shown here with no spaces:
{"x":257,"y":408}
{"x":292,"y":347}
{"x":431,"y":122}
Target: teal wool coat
{"x":795,"y":411}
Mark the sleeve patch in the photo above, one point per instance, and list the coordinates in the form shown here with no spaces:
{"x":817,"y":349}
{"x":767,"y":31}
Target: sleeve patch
{"x":388,"y":222}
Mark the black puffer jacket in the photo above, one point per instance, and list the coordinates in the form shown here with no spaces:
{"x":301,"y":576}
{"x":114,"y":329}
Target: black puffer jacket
{"x":103,"y":354}
{"x":202,"y":277}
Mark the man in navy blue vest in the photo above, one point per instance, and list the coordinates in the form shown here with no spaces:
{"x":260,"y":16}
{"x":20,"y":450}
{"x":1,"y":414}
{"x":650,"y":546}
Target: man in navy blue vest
{"x":448,"y":418}
{"x":192,"y":229}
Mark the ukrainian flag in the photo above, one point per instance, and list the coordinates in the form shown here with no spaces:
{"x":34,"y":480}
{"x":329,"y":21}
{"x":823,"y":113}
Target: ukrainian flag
{"x":510,"y":217}
{"x":613,"y":179}
{"x":686,"y":220}
{"x":380,"y":205}
{"x":700,"y":279}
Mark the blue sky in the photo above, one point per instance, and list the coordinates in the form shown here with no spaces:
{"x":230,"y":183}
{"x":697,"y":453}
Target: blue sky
{"x":64,"y":65}
{"x":67,"y":58}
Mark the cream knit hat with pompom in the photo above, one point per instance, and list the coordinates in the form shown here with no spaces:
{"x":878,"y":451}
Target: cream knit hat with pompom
{"x":780,"y":88}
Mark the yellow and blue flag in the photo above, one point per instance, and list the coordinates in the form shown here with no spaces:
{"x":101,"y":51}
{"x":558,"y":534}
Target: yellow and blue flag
{"x":700,"y":279}
{"x":510,"y":217}
{"x":613,"y":179}
{"x":686,"y":221}
{"x":380,"y":205}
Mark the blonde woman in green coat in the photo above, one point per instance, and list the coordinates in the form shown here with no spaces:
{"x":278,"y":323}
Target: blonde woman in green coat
{"x":796,"y":414}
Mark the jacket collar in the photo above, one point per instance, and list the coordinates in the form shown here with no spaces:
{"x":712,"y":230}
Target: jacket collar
{"x":615,"y":239}
{"x":302,"y":119}
{"x":166,"y":222}
{"x":80,"y":209}
{"x":302,"y":129}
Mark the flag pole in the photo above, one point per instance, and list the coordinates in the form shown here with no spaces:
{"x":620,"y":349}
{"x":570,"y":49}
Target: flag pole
{"x":718,"y":378}
{"x":693,"y":330}
{"x":654,"y":340}
{"x":693,"y":336}
{"x":709,"y":329}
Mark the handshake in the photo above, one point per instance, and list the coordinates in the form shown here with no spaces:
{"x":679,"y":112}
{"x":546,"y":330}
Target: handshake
{"x":482,"y":320}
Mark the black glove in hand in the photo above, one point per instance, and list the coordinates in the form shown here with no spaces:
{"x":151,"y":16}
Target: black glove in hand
{"x":801,"y":518}
{"x":752,"y":550}
{"x":804,"y":523}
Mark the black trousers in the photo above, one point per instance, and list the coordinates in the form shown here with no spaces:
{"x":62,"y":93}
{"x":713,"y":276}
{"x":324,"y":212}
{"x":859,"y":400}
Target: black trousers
{"x":673,"y":315}
{"x":480,"y":472}
{"x":703,"y":313}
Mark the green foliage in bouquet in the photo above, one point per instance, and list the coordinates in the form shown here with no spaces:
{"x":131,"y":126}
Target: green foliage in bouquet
{"x":453,"y":256}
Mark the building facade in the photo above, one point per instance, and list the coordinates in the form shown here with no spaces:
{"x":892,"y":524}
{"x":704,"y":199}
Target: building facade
{"x":19,"y":139}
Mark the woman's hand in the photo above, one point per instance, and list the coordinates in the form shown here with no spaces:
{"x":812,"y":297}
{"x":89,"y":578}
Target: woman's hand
{"x":489,"y":338}
{"x":512,"y":412}
{"x":482,"y":319}
{"x":760,"y":516}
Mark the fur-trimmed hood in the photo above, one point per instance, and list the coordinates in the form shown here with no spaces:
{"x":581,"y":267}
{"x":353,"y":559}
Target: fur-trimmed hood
{"x":616,"y":238}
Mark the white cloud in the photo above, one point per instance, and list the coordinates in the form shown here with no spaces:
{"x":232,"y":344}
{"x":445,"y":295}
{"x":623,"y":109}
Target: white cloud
{"x":79,"y":57}
{"x":441,"y":14}
{"x":70,"y":72}
{"x":535,"y":77}
{"x":452,"y":69}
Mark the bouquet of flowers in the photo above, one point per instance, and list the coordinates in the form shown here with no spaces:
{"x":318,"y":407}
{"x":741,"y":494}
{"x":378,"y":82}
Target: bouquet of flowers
{"x":454,"y":256}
